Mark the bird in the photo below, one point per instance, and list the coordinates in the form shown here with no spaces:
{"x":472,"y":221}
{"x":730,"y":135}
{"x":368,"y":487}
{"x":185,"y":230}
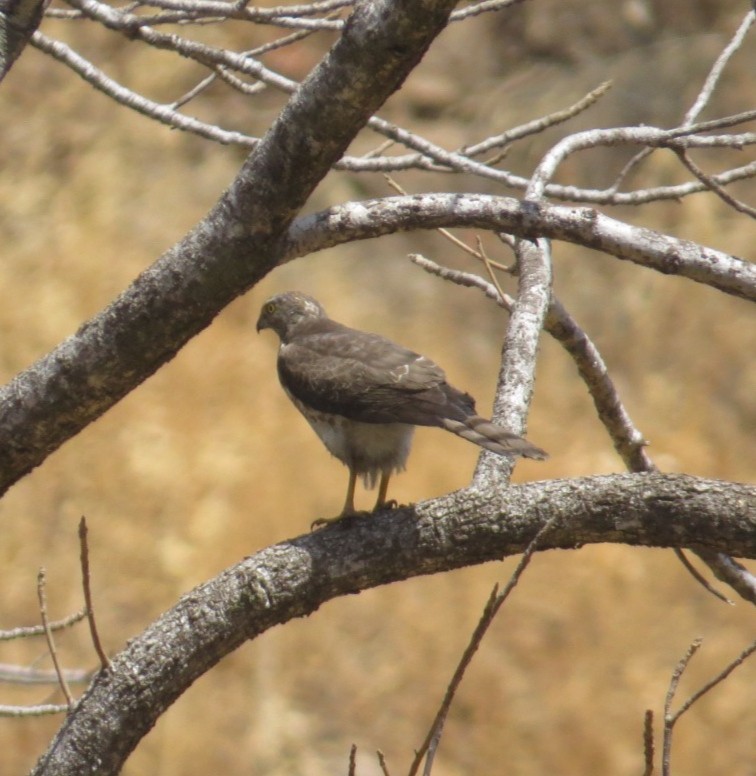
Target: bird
{"x":363,"y":395}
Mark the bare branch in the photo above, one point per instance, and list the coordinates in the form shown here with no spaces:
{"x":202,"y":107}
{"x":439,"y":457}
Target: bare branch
{"x":627,"y":439}
{"x":484,"y":6}
{"x":382,"y":763}
{"x":165,"y":114}
{"x":18,"y":21}
{"x":734,"y":203}
{"x":495,"y":602}
{"x":130,"y":25}
{"x":256,"y":14}
{"x":538,"y":125}
{"x":295,"y":578}
{"x":85,"y":581}
{"x":41,"y":710}
{"x":514,"y":388}
{"x":678,"y":138}
{"x":13,"y":674}
{"x":712,"y":683}
{"x":728,"y":570}
{"x":670,"y":718}
{"x":648,"y":743}
{"x":50,"y":641}
{"x":716,"y":71}
{"x":39,"y":630}
{"x":583,"y":226}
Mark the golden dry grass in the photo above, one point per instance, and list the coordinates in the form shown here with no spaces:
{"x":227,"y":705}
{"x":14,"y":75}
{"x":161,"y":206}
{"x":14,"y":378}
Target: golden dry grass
{"x":208,"y":462}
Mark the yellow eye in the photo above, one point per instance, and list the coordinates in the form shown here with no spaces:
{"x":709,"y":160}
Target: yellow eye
{"x":270,"y":308}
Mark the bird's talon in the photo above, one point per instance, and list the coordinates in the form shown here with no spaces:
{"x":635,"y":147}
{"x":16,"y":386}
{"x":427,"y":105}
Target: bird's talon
{"x":322,"y":522}
{"x":392,"y":503}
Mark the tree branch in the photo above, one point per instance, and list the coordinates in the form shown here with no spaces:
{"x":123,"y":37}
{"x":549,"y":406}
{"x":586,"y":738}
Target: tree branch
{"x":236,"y":244}
{"x":579,"y":225}
{"x":18,"y":20}
{"x":294,"y":578}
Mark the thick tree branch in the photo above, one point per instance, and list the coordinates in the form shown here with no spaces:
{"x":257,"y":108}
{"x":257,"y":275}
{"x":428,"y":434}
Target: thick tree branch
{"x":294,"y":578}
{"x":18,"y":20}
{"x":578,"y":225}
{"x":238,"y":242}
{"x":514,"y":388}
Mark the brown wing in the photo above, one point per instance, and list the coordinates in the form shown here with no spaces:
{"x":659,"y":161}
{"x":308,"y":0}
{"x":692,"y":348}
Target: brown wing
{"x":368,"y":378}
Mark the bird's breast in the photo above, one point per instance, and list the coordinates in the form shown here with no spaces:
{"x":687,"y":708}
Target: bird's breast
{"x":366,"y":448}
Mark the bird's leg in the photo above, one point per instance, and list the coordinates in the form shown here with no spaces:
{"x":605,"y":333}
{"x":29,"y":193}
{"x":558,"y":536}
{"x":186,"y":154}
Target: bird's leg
{"x":382,"y":490}
{"x":349,"y":502}
{"x":348,"y":505}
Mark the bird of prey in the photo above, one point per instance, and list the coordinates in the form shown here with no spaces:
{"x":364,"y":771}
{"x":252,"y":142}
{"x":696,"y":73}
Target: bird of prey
{"x":363,"y":394}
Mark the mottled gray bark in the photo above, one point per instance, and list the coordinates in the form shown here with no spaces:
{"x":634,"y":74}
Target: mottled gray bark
{"x":18,"y":20}
{"x":580,"y":225}
{"x":294,"y":578}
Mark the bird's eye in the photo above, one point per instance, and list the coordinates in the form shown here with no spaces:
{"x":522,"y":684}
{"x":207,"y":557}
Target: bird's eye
{"x":270,"y":308}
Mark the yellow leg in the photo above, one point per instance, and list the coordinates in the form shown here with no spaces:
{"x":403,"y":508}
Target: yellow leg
{"x":348,"y":506}
{"x":382,"y":490}
{"x":349,"y":503}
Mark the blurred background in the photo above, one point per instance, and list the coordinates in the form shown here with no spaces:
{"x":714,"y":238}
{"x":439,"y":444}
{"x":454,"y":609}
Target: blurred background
{"x":195,"y":469}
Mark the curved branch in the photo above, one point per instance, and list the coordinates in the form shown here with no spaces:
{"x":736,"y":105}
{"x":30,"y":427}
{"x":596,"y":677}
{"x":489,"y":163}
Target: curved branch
{"x":294,"y":578}
{"x":165,"y":114}
{"x":579,"y":225}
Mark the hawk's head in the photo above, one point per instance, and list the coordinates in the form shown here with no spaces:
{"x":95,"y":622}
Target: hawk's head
{"x":284,"y":313}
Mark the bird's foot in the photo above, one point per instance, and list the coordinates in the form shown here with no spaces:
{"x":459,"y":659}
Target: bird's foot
{"x":391,"y":504}
{"x":321,"y":522}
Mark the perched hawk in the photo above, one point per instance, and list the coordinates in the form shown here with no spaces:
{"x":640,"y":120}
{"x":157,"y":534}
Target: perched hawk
{"x":363,"y":394}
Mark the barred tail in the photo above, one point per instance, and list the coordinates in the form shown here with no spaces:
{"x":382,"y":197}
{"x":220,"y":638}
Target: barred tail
{"x":488,"y":435}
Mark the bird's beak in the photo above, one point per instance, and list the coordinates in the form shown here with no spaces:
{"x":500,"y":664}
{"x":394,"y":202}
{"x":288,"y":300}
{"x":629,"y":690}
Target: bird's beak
{"x":261,"y":324}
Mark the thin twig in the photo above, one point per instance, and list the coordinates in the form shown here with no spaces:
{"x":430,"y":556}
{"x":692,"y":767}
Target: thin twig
{"x":712,"y":683}
{"x":648,"y":743}
{"x":382,"y":763}
{"x":13,"y":674}
{"x":716,"y":71}
{"x":720,"y":191}
{"x":538,"y":125}
{"x":489,"y":265}
{"x":445,"y":232}
{"x":42,"y":596}
{"x":669,"y":720}
{"x":85,"y":581}
{"x":485,"y":6}
{"x":694,"y":572}
{"x":494,"y":603}
{"x":39,"y":630}
{"x":352,"y":760}
{"x":130,"y":99}
{"x":40,"y":710}
{"x":196,"y":90}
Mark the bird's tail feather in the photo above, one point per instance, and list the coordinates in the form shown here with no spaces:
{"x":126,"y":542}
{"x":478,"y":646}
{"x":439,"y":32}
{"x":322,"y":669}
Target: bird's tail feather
{"x":488,"y":435}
